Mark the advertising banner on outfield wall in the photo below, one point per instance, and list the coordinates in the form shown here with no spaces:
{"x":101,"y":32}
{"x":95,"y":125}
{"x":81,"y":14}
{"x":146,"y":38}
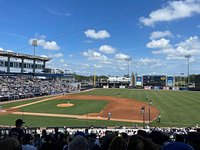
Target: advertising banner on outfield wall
{"x":170,"y":81}
{"x":138,"y":81}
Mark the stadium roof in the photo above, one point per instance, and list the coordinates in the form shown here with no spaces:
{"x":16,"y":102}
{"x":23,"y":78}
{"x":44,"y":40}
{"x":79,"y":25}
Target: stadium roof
{"x":25,"y":56}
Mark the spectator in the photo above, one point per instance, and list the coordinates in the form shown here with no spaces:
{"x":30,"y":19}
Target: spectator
{"x":118,"y":143}
{"x":10,"y":143}
{"x":27,"y":141}
{"x":48,"y":145}
{"x":177,"y":146}
{"x":137,"y":142}
{"x":18,"y":132}
{"x":79,"y":143}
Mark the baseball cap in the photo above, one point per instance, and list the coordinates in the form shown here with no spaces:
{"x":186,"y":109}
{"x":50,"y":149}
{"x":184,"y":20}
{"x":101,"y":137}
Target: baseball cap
{"x":19,"y":121}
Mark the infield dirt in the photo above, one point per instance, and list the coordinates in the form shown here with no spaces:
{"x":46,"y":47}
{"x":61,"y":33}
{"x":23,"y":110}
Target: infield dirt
{"x":121,"y":109}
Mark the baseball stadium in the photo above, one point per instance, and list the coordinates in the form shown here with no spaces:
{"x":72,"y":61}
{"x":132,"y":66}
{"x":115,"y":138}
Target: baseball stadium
{"x":55,"y":100}
{"x":89,"y":78}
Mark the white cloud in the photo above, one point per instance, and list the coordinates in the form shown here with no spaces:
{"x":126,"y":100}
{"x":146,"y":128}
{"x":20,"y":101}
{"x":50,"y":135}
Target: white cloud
{"x":7,"y":50}
{"x":151,"y":63}
{"x":61,"y":60}
{"x":98,"y":66}
{"x":57,"y":13}
{"x":107,"y":49}
{"x":58,"y":55}
{"x":43,"y":55}
{"x":49,"y":45}
{"x":160,"y":34}
{"x":174,"y":10}
{"x":38,"y":36}
{"x":122,"y":56}
{"x":161,"y":43}
{"x":94,"y":55}
{"x":102,"y":34}
{"x":65,"y":65}
{"x":198,"y":26}
{"x":190,"y":46}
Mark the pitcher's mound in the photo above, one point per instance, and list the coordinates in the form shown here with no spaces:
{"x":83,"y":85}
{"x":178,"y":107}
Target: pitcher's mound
{"x":65,"y":105}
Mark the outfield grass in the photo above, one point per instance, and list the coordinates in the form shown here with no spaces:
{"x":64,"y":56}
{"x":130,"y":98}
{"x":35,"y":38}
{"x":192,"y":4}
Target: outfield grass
{"x":177,"y":108}
{"x":80,"y":107}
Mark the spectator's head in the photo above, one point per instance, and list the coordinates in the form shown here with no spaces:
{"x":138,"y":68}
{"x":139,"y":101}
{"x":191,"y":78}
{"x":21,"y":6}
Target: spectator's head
{"x":92,"y":137}
{"x":19,"y":123}
{"x":177,"y":146}
{"x":137,"y":142}
{"x":159,"y":137}
{"x":125,"y":136}
{"x":27,"y":139}
{"x":142,"y":133}
{"x":118,"y":143}
{"x":44,"y":132}
{"x":61,"y":136}
{"x":79,"y":133}
{"x":48,"y":139}
{"x":194,"y":139}
{"x":78,"y":143}
{"x":180,"y":138}
{"x":10,"y":144}
{"x":107,"y":140}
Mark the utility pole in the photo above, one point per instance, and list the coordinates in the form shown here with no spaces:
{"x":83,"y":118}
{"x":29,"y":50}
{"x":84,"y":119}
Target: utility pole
{"x":188,"y":69}
{"x":34,"y":44}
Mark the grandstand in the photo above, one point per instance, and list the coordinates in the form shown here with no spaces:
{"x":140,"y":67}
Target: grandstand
{"x":17,"y":85}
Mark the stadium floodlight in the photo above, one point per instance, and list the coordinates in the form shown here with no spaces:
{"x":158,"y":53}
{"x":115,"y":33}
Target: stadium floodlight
{"x":188,"y":58}
{"x":128,"y":60}
{"x":34,"y":44}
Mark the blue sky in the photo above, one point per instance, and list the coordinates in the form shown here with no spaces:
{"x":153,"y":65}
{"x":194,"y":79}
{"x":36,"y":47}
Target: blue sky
{"x":104,"y":35}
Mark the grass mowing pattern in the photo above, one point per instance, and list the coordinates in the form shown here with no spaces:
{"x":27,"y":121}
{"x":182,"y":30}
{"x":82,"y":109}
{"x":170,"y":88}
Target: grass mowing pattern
{"x":178,"y":108}
{"x":80,"y":107}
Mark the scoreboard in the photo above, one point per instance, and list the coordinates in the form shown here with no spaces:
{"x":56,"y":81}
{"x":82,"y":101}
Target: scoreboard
{"x":154,"y":80}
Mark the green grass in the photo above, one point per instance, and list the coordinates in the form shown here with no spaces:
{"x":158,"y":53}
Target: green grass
{"x":80,"y":107}
{"x":177,"y":108}
{"x":17,"y":103}
{"x":39,"y":121}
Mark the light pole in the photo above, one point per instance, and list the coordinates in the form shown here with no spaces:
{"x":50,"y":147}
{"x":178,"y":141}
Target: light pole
{"x":128,"y":60}
{"x":143,"y":114}
{"x":150,"y":103}
{"x":188,"y":58}
{"x":34,"y":44}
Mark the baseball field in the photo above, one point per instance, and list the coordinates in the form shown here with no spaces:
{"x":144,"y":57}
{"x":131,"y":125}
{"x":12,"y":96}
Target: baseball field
{"x":177,"y":108}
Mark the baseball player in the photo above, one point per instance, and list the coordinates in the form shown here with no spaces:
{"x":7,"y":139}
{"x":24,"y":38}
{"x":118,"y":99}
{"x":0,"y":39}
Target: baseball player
{"x":109,"y":115}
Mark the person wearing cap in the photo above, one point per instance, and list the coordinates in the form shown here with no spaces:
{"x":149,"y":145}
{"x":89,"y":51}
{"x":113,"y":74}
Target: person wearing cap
{"x":18,"y":132}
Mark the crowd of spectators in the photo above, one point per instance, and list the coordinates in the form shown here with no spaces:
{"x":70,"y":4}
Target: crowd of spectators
{"x":102,"y":139}
{"x":24,"y":86}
